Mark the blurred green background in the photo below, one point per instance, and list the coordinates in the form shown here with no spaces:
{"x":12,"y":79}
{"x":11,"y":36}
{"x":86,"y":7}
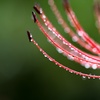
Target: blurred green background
{"x":24,"y":72}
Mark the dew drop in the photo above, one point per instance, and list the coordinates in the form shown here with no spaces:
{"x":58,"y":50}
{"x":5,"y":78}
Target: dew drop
{"x":67,"y":30}
{"x":59,"y":50}
{"x":87,"y":46}
{"x":88,"y":77}
{"x":64,"y":42}
{"x":53,"y":32}
{"x":84,"y":77}
{"x":40,"y":50}
{"x":46,"y":23}
{"x":74,"y":38}
{"x":80,"y":33}
{"x":87,"y":65}
{"x":71,"y":71}
{"x":44,"y":16}
{"x":60,"y":66}
{"x":94,"y":50}
{"x":94,"y":66}
{"x":36,"y":44}
{"x":58,"y":35}
{"x":50,"y":59}
{"x":41,"y":10}
{"x":60,"y":21}
{"x":72,"y":48}
{"x":45,"y":55}
{"x":49,"y":28}
{"x":70,"y":57}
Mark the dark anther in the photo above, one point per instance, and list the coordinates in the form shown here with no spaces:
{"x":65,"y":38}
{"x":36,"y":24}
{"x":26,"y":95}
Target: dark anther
{"x":34,"y":16}
{"x":29,"y":36}
{"x":66,"y":4}
{"x":38,"y":9}
{"x":97,"y":6}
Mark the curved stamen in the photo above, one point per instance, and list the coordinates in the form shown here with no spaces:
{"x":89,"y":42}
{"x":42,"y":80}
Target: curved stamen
{"x":56,"y":33}
{"x":79,"y":29}
{"x":59,"y":44}
{"x":67,"y":29}
{"x":97,"y":13}
{"x":60,"y":65}
{"x":64,"y":46}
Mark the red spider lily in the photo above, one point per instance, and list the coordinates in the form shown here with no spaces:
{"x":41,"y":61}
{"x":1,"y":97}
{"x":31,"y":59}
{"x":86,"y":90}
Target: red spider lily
{"x":63,"y":45}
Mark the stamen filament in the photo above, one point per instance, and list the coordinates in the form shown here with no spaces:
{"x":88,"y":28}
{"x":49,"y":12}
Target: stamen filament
{"x":60,"y":65}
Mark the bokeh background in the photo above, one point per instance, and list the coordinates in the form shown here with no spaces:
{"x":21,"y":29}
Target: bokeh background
{"x":25,"y":74}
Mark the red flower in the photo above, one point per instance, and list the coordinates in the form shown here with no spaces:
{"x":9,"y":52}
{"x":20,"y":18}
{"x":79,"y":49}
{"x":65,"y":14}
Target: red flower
{"x":63,"y":45}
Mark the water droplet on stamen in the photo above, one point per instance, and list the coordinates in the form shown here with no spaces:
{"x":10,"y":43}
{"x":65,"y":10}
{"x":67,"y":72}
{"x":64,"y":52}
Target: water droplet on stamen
{"x":60,"y":21}
{"x":40,"y":50}
{"x":84,"y":77}
{"x":74,"y":38}
{"x":88,"y":77}
{"x":87,"y":65}
{"x":60,"y":66}
{"x":94,"y":50}
{"x":49,"y":28}
{"x":41,"y":10}
{"x":80,"y":33}
{"x":70,"y":57}
{"x":44,"y":16}
{"x":45,"y":55}
{"x":50,"y":59}
{"x":94,"y":66}
{"x":67,"y":30}
{"x":59,"y":50}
